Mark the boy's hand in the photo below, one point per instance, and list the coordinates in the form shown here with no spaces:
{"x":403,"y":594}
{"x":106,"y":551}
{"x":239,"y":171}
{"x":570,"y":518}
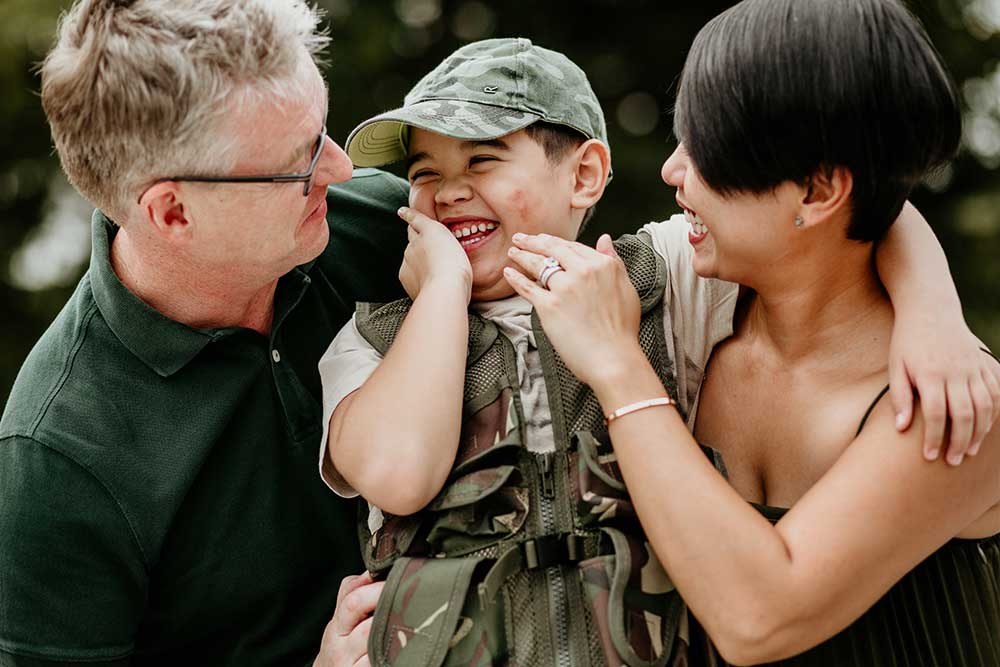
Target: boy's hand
{"x":433,"y":254}
{"x":958,"y":385}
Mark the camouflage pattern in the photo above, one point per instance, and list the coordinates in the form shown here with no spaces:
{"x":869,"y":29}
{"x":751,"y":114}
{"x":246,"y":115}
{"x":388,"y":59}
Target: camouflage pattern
{"x":482,"y":91}
{"x":462,"y":588}
{"x":429,"y":620}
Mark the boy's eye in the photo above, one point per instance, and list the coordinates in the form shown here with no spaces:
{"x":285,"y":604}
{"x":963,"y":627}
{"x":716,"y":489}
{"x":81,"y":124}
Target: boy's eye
{"x":421,"y":174}
{"x":479,"y":159}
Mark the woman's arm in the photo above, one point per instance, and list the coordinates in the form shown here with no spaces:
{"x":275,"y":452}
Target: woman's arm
{"x":394,"y":439}
{"x":933,"y":351}
{"x":763,"y":592}
{"x":767,"y":592}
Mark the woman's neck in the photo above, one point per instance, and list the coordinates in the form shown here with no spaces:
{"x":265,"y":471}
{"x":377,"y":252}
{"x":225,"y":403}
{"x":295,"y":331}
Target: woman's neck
{"x":823,"y":307}
{"x":198,"y":297}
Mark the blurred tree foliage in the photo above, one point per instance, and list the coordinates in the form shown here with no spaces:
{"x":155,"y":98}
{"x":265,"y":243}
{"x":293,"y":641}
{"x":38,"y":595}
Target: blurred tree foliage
{"x":633,"y":51}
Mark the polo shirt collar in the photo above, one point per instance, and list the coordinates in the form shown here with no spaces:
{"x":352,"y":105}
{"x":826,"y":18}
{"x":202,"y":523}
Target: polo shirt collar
{"x":166,"y":346}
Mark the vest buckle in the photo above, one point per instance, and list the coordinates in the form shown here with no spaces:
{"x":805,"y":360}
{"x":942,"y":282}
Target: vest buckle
{"x":550,"y":550}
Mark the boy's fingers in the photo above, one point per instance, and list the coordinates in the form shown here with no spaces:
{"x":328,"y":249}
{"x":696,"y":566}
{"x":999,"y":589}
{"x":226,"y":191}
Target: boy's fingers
{"x":992,"y":383}
{"x":982,"y":403}
{"x":934,"y":409}
{"x":414,"y":218}
{"x":901,"y":393}
{"x":963,"y":417}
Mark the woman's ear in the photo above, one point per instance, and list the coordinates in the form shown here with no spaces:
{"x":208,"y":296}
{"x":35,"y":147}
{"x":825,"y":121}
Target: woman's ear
{"x":592,"y":164}
{"x":826,"y":195}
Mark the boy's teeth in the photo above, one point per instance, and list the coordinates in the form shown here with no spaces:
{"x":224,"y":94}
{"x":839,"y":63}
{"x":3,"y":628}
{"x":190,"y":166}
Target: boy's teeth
{"x":480,"y":228}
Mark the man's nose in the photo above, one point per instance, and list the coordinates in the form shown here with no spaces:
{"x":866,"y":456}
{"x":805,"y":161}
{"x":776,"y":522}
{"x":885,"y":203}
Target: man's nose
{"x":334,"y":166}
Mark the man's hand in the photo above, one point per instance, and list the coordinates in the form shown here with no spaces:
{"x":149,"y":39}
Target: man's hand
{"x":433,"y":254}
{"x":345,"y":640}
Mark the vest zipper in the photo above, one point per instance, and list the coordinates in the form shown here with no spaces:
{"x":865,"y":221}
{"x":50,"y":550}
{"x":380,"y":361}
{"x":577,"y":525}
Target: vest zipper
{"x":548,"y":479}
{"x":554,"y":575}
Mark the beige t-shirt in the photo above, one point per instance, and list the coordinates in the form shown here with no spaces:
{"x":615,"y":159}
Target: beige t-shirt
{"x":698,"y":314}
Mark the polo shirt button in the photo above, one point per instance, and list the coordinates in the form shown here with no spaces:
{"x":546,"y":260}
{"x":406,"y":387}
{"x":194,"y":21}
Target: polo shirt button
{"x":276,"y":356}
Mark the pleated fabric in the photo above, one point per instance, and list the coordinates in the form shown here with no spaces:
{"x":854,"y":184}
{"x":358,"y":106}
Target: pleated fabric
{"x":943,"y":613}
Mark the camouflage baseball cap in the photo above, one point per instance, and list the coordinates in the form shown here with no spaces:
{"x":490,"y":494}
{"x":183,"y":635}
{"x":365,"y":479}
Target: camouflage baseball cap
{"x":483,"y":91}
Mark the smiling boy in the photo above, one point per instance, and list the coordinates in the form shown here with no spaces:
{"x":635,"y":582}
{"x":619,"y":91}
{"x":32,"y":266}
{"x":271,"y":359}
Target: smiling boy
{"x":504,"y":137}
{"x":496,"y":504}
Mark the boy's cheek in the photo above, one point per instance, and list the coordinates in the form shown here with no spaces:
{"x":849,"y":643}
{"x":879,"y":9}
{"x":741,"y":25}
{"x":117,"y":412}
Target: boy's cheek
{"x":422,"y":204}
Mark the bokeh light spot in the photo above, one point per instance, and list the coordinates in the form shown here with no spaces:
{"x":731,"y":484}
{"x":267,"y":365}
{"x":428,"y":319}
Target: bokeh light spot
{"x":638,"y":113}
{"x":472,"y":21}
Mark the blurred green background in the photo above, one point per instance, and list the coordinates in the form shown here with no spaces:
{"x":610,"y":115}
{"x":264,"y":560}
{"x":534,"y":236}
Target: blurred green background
{"x":632,"y":50}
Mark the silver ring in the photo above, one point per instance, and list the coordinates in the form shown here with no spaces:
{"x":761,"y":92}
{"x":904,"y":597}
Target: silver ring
{"x":550,"y":267}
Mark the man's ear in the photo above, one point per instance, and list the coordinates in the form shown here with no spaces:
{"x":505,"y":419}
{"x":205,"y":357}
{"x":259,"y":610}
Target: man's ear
{"x":826,"y":195}
{"x":592,"y":161}
{"x":164,"y":211}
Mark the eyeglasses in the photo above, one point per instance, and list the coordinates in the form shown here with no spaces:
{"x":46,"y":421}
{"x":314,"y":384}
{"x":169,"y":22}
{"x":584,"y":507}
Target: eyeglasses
{"x":307,"y":178}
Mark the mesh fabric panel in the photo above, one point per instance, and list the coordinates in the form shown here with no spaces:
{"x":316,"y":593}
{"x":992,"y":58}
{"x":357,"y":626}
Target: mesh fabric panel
{"x":382,"y":324}
{"x":482,"y":375}
{"x":527,"y":644}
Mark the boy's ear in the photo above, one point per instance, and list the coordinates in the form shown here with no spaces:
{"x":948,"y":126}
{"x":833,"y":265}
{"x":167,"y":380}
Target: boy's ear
{"x":826,"y":195}
{"x":592,"y":161}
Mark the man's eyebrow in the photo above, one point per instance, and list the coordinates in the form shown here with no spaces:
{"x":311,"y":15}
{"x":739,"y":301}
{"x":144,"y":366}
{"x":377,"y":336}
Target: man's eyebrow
{"x":296,"y":157}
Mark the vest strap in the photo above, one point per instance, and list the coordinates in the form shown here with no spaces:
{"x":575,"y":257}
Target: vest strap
{"x":538,"y":553}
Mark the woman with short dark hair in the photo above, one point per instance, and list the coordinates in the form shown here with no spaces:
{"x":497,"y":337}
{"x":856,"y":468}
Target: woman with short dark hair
{"x":804,"y":125}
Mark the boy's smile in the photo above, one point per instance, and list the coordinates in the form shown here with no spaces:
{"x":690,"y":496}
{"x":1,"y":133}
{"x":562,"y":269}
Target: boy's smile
{"x":470,"y":231}
{"x":487,"y":191}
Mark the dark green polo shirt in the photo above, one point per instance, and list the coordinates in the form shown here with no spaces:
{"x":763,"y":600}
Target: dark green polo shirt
{"x":160,"y":501}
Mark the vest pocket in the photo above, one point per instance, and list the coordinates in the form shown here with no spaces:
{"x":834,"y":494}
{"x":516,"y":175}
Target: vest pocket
{"x":426,"y":616}
{"x":597,"y":486}
{"x":474,"y":511}
{"x":633,"y":605}
{"x":477,"y":510}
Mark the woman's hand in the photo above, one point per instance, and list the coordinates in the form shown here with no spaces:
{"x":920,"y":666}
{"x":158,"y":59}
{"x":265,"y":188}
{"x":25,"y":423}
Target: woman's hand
{"x":958,"y":385}
{"x":433,"y":254}
{"x":590,"y":310}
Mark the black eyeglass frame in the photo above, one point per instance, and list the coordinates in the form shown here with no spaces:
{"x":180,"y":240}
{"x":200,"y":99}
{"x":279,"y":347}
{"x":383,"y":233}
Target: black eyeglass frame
{"x":307,"y":177}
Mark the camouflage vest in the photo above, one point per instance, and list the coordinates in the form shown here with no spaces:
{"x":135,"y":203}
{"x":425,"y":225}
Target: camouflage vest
{"x":522,"y":558}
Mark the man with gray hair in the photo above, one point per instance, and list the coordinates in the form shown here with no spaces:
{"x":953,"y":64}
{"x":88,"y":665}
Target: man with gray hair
{"x":158,"y":451}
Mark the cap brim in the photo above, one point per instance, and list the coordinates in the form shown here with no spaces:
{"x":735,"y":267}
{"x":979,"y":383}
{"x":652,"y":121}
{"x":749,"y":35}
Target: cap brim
{"x":383,"y":139}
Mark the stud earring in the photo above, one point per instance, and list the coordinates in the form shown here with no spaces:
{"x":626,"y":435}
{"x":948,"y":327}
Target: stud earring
{"x":799,"y":221}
